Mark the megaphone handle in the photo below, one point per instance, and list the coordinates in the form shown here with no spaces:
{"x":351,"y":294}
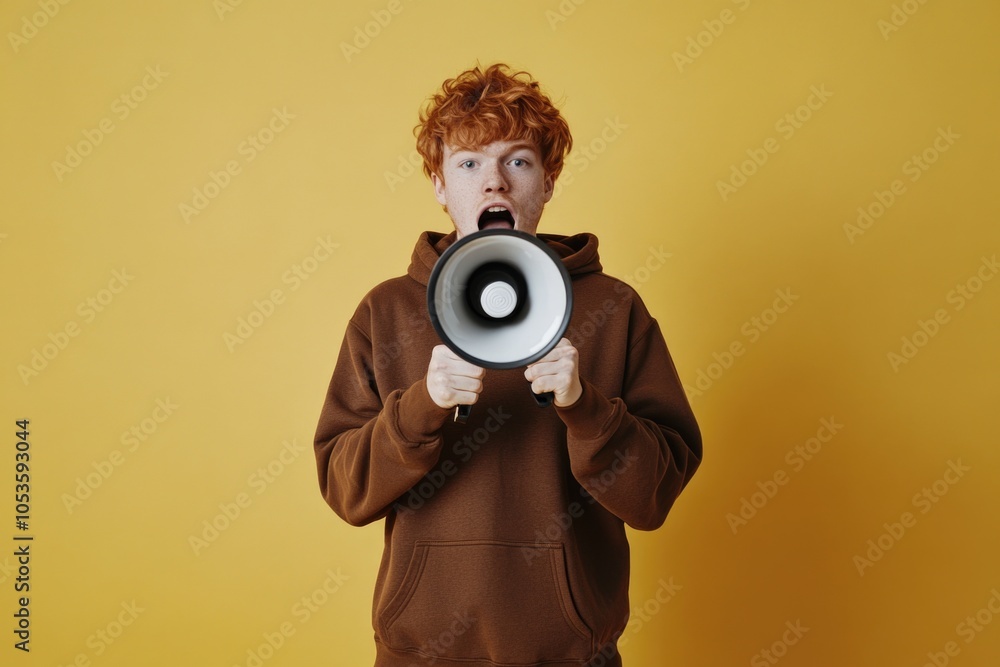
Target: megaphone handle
{"x":544,"y":399}
{"x":462,"y":413}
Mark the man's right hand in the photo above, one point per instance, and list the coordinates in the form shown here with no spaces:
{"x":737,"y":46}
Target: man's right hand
{"x":452,"y":380}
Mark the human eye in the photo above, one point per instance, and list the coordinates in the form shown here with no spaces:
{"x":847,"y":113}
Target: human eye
{"x":519,"y":162}
{"x":467,"y":164}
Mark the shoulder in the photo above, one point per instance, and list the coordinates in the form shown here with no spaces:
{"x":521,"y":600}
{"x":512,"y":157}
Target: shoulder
{"x":612,"y":295}
{"x":392,"y":288}
{"x":386,"y":298}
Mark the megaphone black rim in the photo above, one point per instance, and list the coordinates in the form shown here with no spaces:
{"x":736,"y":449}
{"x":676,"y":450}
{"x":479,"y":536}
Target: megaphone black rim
{"x":446,"y":339}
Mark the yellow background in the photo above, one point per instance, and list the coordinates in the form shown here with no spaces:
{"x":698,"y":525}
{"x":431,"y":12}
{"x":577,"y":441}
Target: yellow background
{"x":655,"y":185}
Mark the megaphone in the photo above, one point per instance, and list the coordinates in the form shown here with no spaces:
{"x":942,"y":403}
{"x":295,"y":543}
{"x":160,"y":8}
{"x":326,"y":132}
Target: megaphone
{"x":500,"y":298}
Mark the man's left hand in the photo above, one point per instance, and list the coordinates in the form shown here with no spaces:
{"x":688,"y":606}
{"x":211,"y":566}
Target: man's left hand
{"x":558,"y":372}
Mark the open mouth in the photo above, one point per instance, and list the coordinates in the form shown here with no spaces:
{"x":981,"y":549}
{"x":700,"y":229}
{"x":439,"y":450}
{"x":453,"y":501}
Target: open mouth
{"x":496,"y":217}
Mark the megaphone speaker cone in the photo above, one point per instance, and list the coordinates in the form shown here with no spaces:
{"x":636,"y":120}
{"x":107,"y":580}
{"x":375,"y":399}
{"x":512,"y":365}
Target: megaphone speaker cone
{"x":500,"y":298}
{"x":496,"y":291}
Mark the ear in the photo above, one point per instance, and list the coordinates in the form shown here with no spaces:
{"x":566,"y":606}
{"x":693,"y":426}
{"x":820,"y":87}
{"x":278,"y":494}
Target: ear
{"x":439,"y":192}
{"x":549,"y":185}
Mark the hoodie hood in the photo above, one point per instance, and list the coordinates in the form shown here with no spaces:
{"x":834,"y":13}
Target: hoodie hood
{"x":578,"y":253}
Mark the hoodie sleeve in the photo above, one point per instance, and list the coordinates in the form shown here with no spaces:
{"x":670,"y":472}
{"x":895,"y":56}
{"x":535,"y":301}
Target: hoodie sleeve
{"x":368,"y":453}
{"x":635,"y":454}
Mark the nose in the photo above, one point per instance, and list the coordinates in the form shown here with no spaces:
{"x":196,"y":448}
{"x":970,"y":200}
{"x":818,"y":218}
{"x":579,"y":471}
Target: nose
{"x":493,"y":178}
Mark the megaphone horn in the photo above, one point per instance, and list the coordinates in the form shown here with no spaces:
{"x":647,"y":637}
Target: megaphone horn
{"x":500,"y":298}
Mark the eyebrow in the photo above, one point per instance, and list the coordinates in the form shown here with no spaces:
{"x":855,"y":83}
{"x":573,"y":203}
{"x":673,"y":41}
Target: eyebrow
{"x":521,"y":145}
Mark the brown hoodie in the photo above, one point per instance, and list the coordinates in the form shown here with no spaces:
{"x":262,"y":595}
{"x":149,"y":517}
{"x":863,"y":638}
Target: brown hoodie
{"x":505,"y":536}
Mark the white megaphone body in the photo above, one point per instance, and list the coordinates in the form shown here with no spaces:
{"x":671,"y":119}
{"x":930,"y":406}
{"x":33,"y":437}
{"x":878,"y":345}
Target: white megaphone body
{"x":500,"y":299}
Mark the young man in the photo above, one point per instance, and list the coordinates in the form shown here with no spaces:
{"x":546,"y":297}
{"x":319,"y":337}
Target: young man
{"x":505,"y":537}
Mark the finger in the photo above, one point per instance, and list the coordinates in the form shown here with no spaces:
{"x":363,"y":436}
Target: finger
{"x":546,"y":368}
{"x":544,"y":384}
{"x":562,"y":349}
{"x":563,"y":344}
{"x":446,"y":352}
{"x":465,"y":384}
{"x":463,"y":398}
{"x":461,"y":367}
{"x":537,"y":370}
{"x":447,"y":381}
{"x":553,"y":354}
{"x":445,"y":360}
{"x":534,"y":371}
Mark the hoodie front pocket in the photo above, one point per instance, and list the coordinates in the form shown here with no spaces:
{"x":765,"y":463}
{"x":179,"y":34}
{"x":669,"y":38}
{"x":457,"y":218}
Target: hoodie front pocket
{"x":507,"y":602}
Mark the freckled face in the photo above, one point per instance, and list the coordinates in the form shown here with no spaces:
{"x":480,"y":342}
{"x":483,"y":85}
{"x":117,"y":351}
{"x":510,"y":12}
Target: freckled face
{"x":500,"y":185}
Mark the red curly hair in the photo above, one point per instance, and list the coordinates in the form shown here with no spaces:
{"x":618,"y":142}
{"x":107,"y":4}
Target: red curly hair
{"x":478,"y":107}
